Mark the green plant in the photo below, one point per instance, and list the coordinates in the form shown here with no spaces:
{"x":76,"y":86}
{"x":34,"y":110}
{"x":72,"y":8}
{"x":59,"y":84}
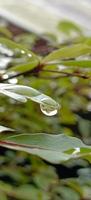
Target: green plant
{"x":64,"y":76}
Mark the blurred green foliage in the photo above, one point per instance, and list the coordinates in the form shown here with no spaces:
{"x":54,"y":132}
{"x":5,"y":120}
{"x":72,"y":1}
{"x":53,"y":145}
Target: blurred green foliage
{"x":26,"y":177}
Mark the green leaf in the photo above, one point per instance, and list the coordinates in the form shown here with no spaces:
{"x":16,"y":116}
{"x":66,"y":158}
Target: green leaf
{"x":68,"y":52}
{"x":5,"y":32}
{"x":52,"y":148}
{"x":3,"y":196}
{"x":67,"y":27}
{"x":68,"y":193}
{"x":15,"y":46}
{"x":31,"y":60}
{"x":22,"y":68}
{"x":20,"y":92}
{"x":77,"y":63}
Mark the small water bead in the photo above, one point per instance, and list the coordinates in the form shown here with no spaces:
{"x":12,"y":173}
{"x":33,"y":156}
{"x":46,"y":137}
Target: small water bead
{"x":29,"y":55}
{"x":22,"y":52}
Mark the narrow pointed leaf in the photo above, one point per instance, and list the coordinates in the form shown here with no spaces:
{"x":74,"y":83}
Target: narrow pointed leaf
{"x":19,"y":92}
{"x":68,"y":52}
{"x":77,"y":63}
{"x":52,"y":148}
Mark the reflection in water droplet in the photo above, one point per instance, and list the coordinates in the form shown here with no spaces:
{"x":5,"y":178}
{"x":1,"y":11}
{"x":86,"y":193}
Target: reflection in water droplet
{"x":49,"y":107}
{"x":48,"y":110}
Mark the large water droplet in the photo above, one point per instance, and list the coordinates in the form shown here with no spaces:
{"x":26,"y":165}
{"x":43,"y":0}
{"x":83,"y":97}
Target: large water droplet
{"x":49,"y":107}
{"x":49,"y":111}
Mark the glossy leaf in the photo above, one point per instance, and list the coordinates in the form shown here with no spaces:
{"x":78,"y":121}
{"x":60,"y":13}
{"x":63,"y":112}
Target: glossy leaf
{"x":68,"y":52}
{"x":20,"y":93}
{"x":52,"y":148}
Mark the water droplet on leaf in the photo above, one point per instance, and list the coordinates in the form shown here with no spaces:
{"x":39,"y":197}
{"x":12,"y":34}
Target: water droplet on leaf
{"x":49,"y":111}
{"x":49,"y":107}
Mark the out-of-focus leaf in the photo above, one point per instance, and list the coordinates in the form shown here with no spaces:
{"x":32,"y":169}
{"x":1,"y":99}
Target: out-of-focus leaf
{"x":68,"y":27}
{"x":3,"y":196}
{"x":30,"y":58}
{"x":30,"y":192}
{"x":49,"y":147}
{"x":77,"y":63}
{"x":5,"y":32}
{"x":26,"y":39}
{"x":68,"y":193}
{"x":15,"y":46}
{"x":85,"y":129}
{"x":50,"y":37}
{"x":21,"y":68}
{"x":68,"y":52}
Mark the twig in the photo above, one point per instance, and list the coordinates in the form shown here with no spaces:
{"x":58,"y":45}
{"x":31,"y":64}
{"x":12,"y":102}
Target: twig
{"x":67,"y":74}
{"x":39,"y":68}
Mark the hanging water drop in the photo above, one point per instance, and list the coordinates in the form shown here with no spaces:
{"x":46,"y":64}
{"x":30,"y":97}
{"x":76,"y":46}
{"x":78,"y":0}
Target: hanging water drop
{"x":48,"y":111}
{"x":49,"y":107}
